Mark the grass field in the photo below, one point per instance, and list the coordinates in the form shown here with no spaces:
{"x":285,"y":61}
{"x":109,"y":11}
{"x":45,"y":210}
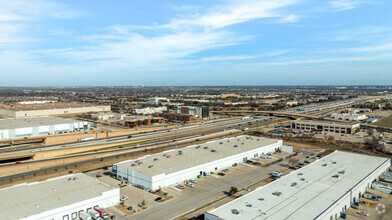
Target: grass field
{"x":385,"y":122}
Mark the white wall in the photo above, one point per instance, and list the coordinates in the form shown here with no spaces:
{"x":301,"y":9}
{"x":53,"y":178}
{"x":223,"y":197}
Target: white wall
{"x":108,"y":198}
{"x":349,"y":198}
{"x":155,"y":182}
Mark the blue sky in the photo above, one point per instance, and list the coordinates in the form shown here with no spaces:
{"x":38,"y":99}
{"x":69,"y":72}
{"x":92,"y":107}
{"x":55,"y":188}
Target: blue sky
{"x":198,"y":42}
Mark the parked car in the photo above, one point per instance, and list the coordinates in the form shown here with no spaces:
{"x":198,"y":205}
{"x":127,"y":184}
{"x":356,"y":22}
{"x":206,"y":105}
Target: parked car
{"x":277,"y":174}
{"x":180,"y":187}
{"x":18,"y":162}
{"x":221,"y":174}
{"x":246,"y":189}
{"x":225,"y":170}
{"x":158,"y":199}
{"x":129,"y":136}
{"x":189,"y":184}
{"x":363,"y":213}
{"x":192,"y":181}
{"x":124,"y":198}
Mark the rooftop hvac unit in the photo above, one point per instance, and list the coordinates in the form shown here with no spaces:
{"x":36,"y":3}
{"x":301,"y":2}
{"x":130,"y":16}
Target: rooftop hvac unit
{"x":155,"y":159}
{"x":242,"y":143}
{"x":235,"y":145}
{"x":220,"y":142}
{"x":180,"y":152}
{"x":228,"y":140}
{"x":197,"y":147}
{"x":238,"y":139}
{"x":132,"y":165}
{"x":150,"y":166}
{"x":258,"y":139}
{"x":213,"y":150}
{"x":205,"y":148}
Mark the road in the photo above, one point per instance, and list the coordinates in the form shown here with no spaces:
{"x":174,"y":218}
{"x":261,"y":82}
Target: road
{"x":185,"y":131}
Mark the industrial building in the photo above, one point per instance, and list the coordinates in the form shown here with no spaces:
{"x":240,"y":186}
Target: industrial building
{"x":198,"y":112}
{"x":322,"y":126}
{"x":61,"y":198}
{"x":45,"y":109}
{"x":320,"y":190}
{"x":150,"y":110}
{"x":28,"y":127}
{"x":170,"y":167}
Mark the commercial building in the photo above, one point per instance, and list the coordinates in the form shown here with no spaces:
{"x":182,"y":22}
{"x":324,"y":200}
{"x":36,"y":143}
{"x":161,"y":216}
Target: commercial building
{"x":170,"y":167}
{"x":28,"y":127}
{"x":47,"y":109}
{"x":322,"y":126}
{"x":231,"y":95}
{"x":320,"y":190}
{"x":134,"y":121}
{"x":61,"y":198}
{"x":198,"y":112}
{"x":108,"y":116}
{"x":177,"y":117}
{"x":352,"y":115}
{"x":150,"y":110}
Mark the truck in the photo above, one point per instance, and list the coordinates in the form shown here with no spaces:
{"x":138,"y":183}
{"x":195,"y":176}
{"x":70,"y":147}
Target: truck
{"x":87,"y":139}
{"x":102,"y":212}
{"x":84,"y":216}
{"x":382,"y":187}
{"x":370,"y":196}
{"x":94,"y":214}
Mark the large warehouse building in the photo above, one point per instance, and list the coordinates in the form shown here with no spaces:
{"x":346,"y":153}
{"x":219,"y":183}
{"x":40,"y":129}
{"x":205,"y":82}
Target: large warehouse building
{"x":167,"y":168}
{"x":45,"y":109}
{"x":321,"y":190}
{"x":60,"y":198}
{"x":29,"y":127}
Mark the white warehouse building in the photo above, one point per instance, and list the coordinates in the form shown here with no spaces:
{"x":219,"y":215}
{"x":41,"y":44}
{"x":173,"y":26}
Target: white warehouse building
{"x":61,"y":198}
{"x":29,"y":127}
{"x":155,"y":171}
{"x":320,"y":190}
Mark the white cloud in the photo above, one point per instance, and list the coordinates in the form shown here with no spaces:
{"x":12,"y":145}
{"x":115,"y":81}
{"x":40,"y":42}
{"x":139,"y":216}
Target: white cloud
{"x":224,"y":58}
{"x":342,"y":5}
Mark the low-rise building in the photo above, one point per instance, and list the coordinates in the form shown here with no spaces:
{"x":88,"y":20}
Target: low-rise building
{"x":198,"y":112}
{"x":177,"y":117}
{"x":174,"y":166}
{"x":352,"y":115}
{"x":321,"y":190}
{"x":61,"y":198}
{"x":48,"y":108}
{"x":150,"y":110}
{"x":30,"y":127}
{"x":322,"y":126}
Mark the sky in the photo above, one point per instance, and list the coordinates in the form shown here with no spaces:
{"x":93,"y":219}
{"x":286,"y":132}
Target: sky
{"x":195,"y":42}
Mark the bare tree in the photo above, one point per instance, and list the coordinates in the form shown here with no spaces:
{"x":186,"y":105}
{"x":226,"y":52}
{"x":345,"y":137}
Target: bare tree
{"x":293,"y":161}
{"x":370,"y":132}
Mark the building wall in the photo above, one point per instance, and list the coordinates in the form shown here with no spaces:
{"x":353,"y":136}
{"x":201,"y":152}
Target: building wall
{"x":59,"y":111}
{"x":42,"y":130}
{"x":107,"y":199}
{"x":335,"y":128}
{"x":354,"y":194}
{"x":153,"y":183}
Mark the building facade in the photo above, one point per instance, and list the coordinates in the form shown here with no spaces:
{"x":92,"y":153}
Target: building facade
{"x":171,"y":167}
{"x":320,"y":126}
{"x":30,"y":127}
{"x":198,"y":112}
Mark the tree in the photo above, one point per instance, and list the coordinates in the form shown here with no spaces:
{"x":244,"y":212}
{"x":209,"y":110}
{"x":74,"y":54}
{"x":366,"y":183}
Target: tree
{"x":293,"y":161}
{"x":233,"y":190}
{"x":143,"y":202}
{"x":331,"y":138}
{"x":370,"y":132}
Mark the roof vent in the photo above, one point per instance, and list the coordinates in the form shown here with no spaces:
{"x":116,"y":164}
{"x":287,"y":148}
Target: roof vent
{"x":132,"y":165}
{"x":220,"y":142}
{"x":197,"y":147}
{"x":150,"y":166}
{"x":156,"y":159}
{"x":205,"y":148}
{"x":235,"y":211}
{"x":260,"y":199}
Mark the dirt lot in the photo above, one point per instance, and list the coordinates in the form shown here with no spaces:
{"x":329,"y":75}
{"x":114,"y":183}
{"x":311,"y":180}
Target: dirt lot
{"x":385,"y":122}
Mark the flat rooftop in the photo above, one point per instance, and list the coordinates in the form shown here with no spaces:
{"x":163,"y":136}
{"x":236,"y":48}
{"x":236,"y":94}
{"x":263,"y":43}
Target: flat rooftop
{"x":29,"y":199}
{"x":309,"y":197}
{"x":171,"y":161}
{"x":33,"y":122}
{"x":326,"y":122}
{"x":44,"y":106}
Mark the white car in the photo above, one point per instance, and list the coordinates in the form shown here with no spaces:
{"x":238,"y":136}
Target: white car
{"x":33,"y":151}
{"x":363,"y":213}
{"x":124,"y":198}
{"x":246,"y":189}
{"x":189,"y":184}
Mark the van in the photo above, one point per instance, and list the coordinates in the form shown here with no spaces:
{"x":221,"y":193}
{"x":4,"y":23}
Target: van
{"x":276,"y":174}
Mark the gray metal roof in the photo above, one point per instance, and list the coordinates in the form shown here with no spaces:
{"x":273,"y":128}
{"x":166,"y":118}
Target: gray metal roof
{"x":33,"y":122}
{"x":195,"y":155}
{"x":309,"y":197}
{"x":25,"y":200}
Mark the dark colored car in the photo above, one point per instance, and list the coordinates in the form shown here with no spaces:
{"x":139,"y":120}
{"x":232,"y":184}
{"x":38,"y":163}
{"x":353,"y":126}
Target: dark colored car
{"x":158,"y":199}
{"x":221,"y":174}
{"x":129,"y":136}
{"x":18,"y":162}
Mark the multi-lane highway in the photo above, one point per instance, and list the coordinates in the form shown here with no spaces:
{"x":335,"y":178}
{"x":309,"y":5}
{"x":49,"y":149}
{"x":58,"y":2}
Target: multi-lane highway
{"x":199,"y":129}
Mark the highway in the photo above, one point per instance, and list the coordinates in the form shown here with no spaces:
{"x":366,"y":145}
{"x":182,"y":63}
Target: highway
{"x":148,"y":137}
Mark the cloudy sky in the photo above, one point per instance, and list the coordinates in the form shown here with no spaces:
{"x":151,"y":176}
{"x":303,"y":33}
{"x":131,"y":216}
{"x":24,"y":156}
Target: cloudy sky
{"x":195,"y":42}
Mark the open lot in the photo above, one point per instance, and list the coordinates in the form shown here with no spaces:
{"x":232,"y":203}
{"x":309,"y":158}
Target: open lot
{"x":207,"y":190}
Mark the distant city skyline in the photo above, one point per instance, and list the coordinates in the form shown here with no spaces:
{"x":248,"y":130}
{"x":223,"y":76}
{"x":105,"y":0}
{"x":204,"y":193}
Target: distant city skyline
{"x":195,"y":43}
